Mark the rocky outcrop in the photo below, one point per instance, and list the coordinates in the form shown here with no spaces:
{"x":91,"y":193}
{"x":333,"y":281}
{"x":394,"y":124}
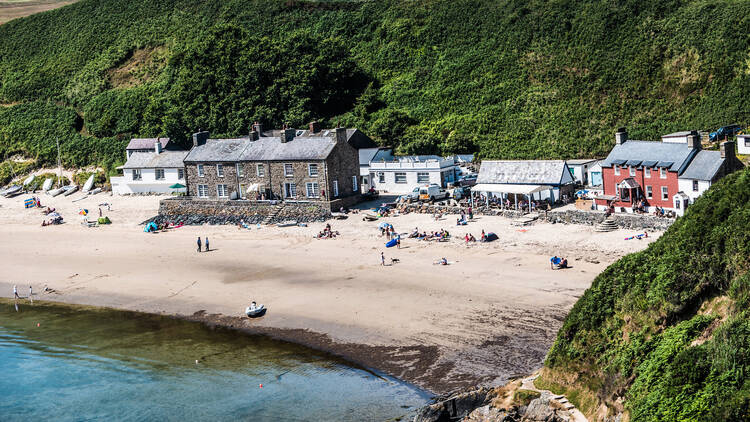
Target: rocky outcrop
{"x":539,"y":410}
{"x":455,"y":407}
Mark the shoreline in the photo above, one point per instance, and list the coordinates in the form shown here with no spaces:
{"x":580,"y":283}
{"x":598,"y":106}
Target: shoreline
{"x":489,"y":316}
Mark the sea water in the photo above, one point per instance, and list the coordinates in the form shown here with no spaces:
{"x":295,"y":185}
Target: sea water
{"x":94,"y":364}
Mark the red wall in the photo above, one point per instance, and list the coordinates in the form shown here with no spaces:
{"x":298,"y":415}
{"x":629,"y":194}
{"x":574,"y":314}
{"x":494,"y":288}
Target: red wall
{"x":610,"y":181}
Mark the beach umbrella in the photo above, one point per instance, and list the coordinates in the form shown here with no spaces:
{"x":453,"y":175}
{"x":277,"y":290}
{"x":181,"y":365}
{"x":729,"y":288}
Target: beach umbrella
{"x":383,"y":225}
{"x":177,"y":186}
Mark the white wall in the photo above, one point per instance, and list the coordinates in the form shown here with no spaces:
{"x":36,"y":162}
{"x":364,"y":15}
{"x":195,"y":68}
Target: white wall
{"x":147,"y":184}
{"x":686,"y":185}
{"x":743,"y":144}
{"x":390,"y":185}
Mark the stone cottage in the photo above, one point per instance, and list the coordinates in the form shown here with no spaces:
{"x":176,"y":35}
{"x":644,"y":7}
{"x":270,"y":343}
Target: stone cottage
{"x":288,"y":164}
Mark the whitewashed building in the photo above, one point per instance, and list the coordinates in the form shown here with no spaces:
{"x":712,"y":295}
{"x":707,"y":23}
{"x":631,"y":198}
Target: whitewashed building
{"x":151,"y":171}
{"x":743,"y":144}
{"x":399,"y":175}
{"x":579,"y":169}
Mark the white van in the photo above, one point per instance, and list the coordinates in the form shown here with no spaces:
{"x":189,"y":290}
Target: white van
{"x":432,"y":193}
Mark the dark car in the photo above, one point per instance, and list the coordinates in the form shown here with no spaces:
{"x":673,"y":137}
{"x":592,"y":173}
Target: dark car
{"x":724,"y":132}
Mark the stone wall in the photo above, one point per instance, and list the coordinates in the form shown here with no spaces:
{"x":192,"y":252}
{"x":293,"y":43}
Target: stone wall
{"x":624,"y":221}
{"x":207,"y":211}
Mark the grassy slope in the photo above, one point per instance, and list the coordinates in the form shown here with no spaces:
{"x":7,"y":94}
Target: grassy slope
{"x":668,"y":328}
{"x":509,"y":79}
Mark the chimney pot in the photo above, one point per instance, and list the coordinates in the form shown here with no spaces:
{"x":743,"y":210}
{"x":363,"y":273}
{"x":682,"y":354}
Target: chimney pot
{"x":200,"y":138}
{"x":253,"y":135}
{"x":157,"y":146}
{"x":287,"y":135}
{"x":340,"y":135}
{"x":621,"y":136}
{"x":258,"y":127}
{"x":694,"y":140}
{"x":727,"y":150}
{"x":314,"y":127}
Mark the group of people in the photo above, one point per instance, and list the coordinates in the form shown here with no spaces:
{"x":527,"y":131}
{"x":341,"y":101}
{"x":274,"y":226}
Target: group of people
{"x":206,"y":243}
{"x":558,"y":263}
{"x":640,"y":206}
{"x":441,"y":235}
{"x":327,"y":233}
{"x":16,"y":296}
{"x":388,"y":231}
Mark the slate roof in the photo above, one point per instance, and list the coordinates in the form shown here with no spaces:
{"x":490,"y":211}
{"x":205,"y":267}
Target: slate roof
{"x":580,"y":161}
{"x":166,"y":159}
{"x":677,"y":134}
{"x":663,"y":152}
{"x":218,"y":150}
{"x":704,"y":166}
{"x":354,"y":136}
{"x":366,"y":155}
{"x":538,"y":172}
{"x":146,"y":143}
{"x":384,"y":155}
{"x":269,"y":148}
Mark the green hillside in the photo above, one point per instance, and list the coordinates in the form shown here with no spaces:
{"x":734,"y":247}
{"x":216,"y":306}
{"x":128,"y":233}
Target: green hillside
{"x":668,"y":329}
{"x":510,"y":79}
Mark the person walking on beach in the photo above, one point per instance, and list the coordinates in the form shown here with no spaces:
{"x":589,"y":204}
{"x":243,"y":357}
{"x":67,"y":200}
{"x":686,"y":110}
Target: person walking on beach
{"x":206,"y":243}
{"x":199,"y":243}
{"x":31,"y":294}
{"x":15,"y":292}
{"x":382,"y":259}
{"x":471,"y":213}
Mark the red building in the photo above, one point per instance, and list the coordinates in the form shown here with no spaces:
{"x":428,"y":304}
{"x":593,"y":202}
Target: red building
{"x":644,"y":170}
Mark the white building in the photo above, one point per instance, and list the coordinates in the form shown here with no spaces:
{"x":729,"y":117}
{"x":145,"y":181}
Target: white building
{"x":401,"y":175}
{"x":595,"y":174}
{"x":579,"y":168}
{"x":365,"y":156}
{"x":743,"y":144}
{"x":533,"y":180}
{"x":677,"y":137}
{"x":706,"y":168}
{"x":151,"y":172}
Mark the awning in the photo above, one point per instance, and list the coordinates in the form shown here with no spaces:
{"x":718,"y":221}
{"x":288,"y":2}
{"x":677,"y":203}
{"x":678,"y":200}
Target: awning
{"x":629,"y":183}
{"x":509,"y":188}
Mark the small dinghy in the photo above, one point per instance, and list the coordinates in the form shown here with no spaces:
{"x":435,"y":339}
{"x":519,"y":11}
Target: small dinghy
{"x":89,"y":184}
{"x":70,"y":190}
{"x":47,"y":185}
{"x":55,"y":192}
{"x":29,"y":180}
{"x":255,"y":310}
{"x":95,"y":191}
{"x":287,"y":224}
{"x":12,"y":191}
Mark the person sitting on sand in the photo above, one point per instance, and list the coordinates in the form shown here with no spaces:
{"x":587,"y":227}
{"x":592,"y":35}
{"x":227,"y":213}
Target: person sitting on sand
{"x":483,"y":237}
{"x":443,"y":261}
{"x":554,"y":261}
{"x":472,"y":238}
{"x":563,"y":263}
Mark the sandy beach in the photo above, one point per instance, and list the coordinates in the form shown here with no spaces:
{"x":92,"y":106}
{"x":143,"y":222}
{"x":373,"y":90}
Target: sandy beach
{"x":489,"y":315}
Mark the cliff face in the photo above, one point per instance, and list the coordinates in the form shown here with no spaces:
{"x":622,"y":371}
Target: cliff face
{"x":664,"y":334}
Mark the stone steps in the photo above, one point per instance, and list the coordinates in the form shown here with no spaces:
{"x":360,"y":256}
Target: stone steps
{"x":608,"y":225}
{"x":272,"y":215}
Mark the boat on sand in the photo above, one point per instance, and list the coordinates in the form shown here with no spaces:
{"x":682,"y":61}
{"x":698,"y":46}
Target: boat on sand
{"x":70,"y":190}
{"x":255,"y":310}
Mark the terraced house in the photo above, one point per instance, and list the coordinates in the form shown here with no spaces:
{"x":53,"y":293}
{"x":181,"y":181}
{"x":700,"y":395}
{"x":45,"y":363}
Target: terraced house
{"x":288,"y":164}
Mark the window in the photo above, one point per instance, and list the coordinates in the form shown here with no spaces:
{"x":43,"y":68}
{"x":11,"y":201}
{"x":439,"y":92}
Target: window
{"x":240,"y":170}
{"x":312,"y":190}
{"x":203,"y":191}
{"x":201,"y":173}
{"x":664,"y":193}
{"x":381,"y":177}
{"x":180,"y":174}
{"x":220,"y":170}
{"x":400,"y":177}
{"x":312,"y":170}
{"x":423,"y":177}
{"x":617,"y":170}
{"x":649,"y":192}
{"x":647,"y":172}
{"x":355,"y":188}
{"x":335,"y":188}
{"x":260,"y":170}
{"x":632,"y":171}
{"x":290,"y":190}
{"x":221,"y":191}
{"x":288,"y":170}
{"x":159,"y":174}
{"x":695,"y":186}
{"x":136,"y":174}
{"x":747,"y":142}
{"x":364,"y":180}
{"x":242,"y":192}
{"x":663,"y":172}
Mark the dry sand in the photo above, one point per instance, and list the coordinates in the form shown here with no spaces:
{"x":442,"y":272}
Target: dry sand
{"x":12,"y":9}
{"x":491,"y":314}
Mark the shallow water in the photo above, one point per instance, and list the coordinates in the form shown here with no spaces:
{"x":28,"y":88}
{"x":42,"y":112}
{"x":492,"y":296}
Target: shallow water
{"x":91,"y":364}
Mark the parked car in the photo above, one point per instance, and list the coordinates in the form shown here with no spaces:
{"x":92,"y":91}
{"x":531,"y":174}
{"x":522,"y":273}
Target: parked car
{"x":724,"y":132}
{"x":469,"y":180}
{"x":432,"y":193}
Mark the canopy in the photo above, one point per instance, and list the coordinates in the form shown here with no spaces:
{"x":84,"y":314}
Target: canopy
{"x":629,"y":183}
{"x":177,"y":186}
{"x":509,"y":188}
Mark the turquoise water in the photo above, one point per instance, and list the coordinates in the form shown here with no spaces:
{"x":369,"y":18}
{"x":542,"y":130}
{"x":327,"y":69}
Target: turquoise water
{"x":81,"y":365}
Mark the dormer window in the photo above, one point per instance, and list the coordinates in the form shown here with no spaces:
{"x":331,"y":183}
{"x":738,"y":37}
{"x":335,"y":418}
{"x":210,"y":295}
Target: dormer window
{"x":632,"y":171}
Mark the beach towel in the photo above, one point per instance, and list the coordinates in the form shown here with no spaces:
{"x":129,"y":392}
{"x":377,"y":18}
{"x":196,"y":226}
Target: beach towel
{"x":490,"y":237}
{"x":391,"y":243}
{"x":29,"y":203}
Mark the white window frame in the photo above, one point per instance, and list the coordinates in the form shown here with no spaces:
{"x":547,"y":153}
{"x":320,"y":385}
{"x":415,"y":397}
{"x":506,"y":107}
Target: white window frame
{"x":260,"y":170}
{"x":423,"y":173}
{"x":662,"y":172}
{"x":632,"y":171}
{"x":617,"y":170}
{"x":289,"y":173}
{"x":222,"y":191}
{"x":647,"y":172}
{"x":136,"y":173}
{"x":240,"y":170}
{"x":202,"y":191}
{"x":664,"y":193}
{"x":292,"y":193}
{"x":201,"y":171}
{"x":381,"y":177}
{"x":312,"y":190}
{"x":310,"y":168}
{"x":156,"y":174}
{"x":395,"y":177}
{"x":220,"y":170}
{"x":335,"y":188}
{"x":355,"y":188}
{"x":696,"y":186}
{"x":181,"y":174}
{"x":649,"y":192}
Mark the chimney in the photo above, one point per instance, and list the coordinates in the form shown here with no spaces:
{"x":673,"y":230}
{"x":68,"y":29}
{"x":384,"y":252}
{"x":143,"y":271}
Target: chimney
{"x":341,"y":135}
{"x":200,"y":138}
{"x":727,"y":150}
{"x":694,"y":140}
{"x":621,"y":136}
{"x":157,"y":146}
{"x":258,"y":128}
{"x":314,"y":127}
{"x":253,"y":135}
{"x":287,"y":135}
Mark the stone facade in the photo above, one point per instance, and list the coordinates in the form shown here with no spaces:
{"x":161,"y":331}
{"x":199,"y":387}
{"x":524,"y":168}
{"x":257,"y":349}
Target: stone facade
{"x":206,"y":211}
